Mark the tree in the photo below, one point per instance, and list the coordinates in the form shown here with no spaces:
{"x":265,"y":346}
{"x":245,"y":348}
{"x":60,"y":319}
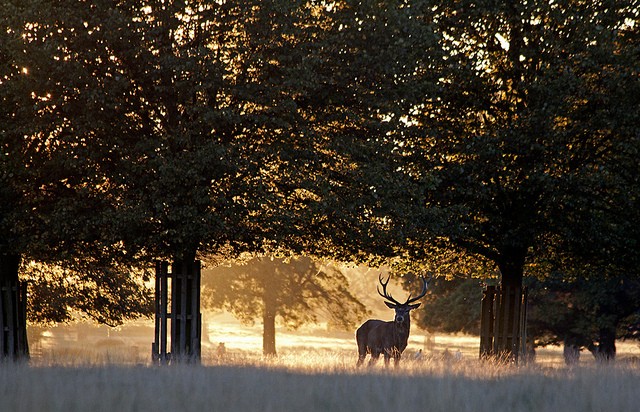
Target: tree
{"x":147,"y":130}
{"x":295,"y":291}
{"x":589,"y":313}
{"x":525,"y":151}
{"x":516,"y":156}
{"x":451,"y":306}
{"x":187,"y":129}
{"x":182,"y":130}
{"x":57,"y":203}
{"x":372,"y":53}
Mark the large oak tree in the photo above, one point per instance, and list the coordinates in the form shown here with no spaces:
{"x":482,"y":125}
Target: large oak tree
{"x":526,"y":148}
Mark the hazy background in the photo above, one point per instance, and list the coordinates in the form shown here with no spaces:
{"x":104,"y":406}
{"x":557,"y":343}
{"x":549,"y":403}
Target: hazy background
{"x":85,"y":342}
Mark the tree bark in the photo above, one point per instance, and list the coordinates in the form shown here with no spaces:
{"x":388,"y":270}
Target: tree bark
{"x":269,"y":336}
{"x":269,"y":323}
{"x":13,"y":344}
{"x":606,"y":349}
{"x":511,"y":265}
{"x":9,"y":265}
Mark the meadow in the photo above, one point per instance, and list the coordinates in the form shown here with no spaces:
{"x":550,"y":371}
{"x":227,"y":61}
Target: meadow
{"x":318,"y":382}
{"x":101,"y":369}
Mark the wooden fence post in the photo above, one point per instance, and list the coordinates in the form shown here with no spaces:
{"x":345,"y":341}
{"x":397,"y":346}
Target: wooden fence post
{"x":159,"y":354}
{"x":13,"y":321}
{"x":185,"y":317}
{"x":486,"y":321}
{"x":503,"y":324}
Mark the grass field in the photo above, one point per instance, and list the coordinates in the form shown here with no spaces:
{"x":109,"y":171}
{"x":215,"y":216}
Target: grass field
{"x":311,"y":382}
{"x":109,"y":370}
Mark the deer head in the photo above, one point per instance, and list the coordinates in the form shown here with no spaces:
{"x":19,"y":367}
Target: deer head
{"x":401,"y":309}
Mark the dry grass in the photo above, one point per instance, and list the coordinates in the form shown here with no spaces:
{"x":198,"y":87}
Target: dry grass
{"x":316,"y":381}
{"x":312,"y":373}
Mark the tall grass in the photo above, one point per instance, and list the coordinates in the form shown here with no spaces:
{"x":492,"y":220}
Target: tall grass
{"x":311,"y":381}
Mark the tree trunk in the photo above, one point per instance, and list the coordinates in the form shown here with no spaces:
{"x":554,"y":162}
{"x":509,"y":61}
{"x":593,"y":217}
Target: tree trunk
{"x":571,"y":354}
{"x":269,"y":323}
{"x":269,"y":335}
{"x":9,"y":265}
{"x":13,"y":333}
{"x":606,"y":349}
{"x":509,"y":332}
{"x":511,"y":265}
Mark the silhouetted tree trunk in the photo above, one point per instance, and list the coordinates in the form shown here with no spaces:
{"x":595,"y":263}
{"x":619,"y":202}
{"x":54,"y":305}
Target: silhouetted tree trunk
{"x":13,"y":341}
{"x":9,"y":265}
{"x":269,"y":323}
{"x":511,"y":265}
{"x":571,"y":352}
{"x":605,"y":351}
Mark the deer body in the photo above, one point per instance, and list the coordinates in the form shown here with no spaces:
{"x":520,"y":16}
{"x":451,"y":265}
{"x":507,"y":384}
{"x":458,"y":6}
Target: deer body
{"x":376,"y":337}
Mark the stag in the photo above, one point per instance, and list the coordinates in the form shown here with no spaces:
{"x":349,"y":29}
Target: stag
{"x":377,"y":337}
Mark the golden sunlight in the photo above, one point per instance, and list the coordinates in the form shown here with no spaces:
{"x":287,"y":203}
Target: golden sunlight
{"x":314,"y":346}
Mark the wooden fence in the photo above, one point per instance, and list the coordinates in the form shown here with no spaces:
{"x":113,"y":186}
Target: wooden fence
{"x":503,"y":332}
{"x":184,"y":323}
{"x":13,"y":320}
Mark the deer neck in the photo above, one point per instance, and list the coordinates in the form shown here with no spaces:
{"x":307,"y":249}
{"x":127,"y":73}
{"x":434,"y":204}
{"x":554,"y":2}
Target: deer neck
{"x":402,"y":329}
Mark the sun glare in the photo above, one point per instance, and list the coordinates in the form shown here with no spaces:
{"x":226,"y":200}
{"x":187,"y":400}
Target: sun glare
{"x":504,"y":43}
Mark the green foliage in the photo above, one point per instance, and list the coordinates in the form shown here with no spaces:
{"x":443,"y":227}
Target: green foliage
{"x":499,"y":134}
{"x":108,"y":295}
{"x":59,"y":206}
{"x":150,"y":129}
{"x":521,"y":149}
{"x":451,"y":306}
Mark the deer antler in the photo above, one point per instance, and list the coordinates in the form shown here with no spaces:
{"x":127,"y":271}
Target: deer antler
{"x":384,"y":290}
{"x":424,"y":291}
{"x":388,"y":296}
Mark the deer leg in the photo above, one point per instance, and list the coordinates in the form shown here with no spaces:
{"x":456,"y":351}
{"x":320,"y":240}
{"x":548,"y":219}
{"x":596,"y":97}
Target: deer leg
{"x":387,"y":357}
{"x":374,"y":357}
{"x":395,"y":354}
{"x":362,"y":352}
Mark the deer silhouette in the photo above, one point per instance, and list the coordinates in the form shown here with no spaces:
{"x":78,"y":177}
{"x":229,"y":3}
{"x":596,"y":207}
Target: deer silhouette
{"x":377,"y":337}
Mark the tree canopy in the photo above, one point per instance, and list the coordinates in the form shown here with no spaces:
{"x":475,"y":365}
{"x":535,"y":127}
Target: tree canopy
{"x":525,"y":146}
{"x":357,"y":130}
{"x":451,"y":306}
{"x":58,"y":206}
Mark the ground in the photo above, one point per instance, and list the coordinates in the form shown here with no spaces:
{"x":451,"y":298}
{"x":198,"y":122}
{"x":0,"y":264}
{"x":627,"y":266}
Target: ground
{"x":131,"y":344}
